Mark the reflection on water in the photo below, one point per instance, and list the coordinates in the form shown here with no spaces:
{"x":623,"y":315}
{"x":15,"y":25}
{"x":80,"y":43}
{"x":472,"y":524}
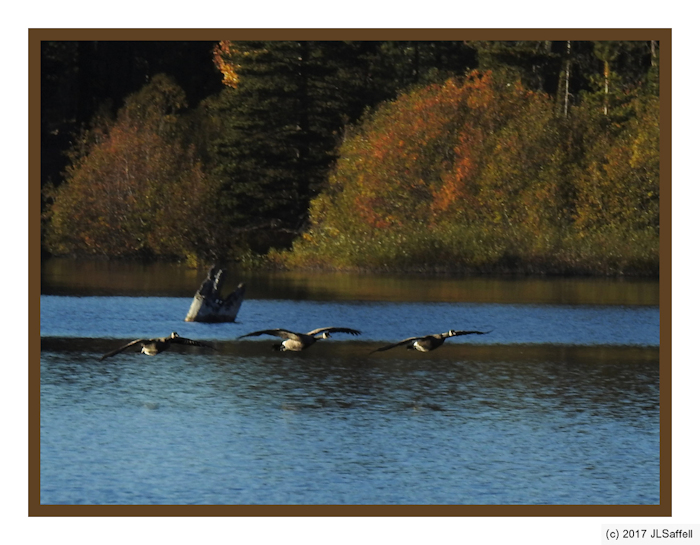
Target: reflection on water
{"x":69,"y":277}
{"x":558,"y":405}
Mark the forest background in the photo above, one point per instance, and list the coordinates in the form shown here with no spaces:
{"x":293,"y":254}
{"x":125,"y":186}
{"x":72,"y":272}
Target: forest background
{"x":539,"y":156}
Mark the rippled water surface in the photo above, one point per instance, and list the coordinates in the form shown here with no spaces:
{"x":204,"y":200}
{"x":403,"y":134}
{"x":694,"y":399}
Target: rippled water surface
{"x":559,"y":404}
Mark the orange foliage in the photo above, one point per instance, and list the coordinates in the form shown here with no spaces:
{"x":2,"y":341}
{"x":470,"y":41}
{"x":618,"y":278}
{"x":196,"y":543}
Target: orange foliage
{"x":223,"y":53}
{"x":415,"y":160}
{"x":228,"y":60}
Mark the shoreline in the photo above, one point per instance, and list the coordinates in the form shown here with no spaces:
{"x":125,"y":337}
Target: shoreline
{"x":416,"y":271}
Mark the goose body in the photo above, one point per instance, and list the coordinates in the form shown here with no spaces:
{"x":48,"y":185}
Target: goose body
{"x":151,"y":347}
{"x":428,"y":342}
{"x":296,"y":342}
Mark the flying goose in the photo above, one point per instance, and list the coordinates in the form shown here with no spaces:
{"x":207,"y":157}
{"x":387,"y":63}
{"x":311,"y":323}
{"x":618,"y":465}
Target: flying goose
{"x":299,"y":341}
{"x":429,"y":342}
{"x":151,"y":347}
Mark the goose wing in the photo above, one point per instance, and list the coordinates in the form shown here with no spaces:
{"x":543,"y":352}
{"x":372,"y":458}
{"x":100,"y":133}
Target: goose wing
{"x":183,"y":340}
{"x":283,"y":333}
{"x":389,"y":346}
{"x":122,"y":348}
{"x":334,"y":330}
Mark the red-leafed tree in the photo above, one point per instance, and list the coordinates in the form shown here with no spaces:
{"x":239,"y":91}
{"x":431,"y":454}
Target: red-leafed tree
{"x":481,"y":173}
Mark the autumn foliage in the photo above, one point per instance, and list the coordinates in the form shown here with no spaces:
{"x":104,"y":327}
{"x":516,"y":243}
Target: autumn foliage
{"x":479,"y":173}
{"x":381,"y":156}
{"x":133,"y":188}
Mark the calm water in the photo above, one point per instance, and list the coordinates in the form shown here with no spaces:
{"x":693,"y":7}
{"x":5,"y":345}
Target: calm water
{"x":558,"y":405}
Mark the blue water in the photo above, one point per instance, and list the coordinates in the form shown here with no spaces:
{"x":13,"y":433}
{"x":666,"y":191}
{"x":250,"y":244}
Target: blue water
{"x":559,"y":404}
{"x":133,"y":317}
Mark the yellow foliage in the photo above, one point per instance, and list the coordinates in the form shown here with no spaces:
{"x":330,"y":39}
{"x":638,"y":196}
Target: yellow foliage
{"x":223,"y":53}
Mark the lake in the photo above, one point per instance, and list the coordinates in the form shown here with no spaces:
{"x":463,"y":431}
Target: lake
{"x":558,"y":404}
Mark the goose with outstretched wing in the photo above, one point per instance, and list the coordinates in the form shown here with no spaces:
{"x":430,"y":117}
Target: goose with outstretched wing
{"x":428,"y":342}
{"x":296,"y":342}
{"x":151,"y":347}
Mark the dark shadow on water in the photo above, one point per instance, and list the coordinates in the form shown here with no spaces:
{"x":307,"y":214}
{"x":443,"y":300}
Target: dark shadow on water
{"x":344,"y":376}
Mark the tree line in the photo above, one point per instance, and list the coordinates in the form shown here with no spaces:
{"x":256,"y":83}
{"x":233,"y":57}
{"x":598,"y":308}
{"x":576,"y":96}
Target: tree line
{"x":495,"y":155}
